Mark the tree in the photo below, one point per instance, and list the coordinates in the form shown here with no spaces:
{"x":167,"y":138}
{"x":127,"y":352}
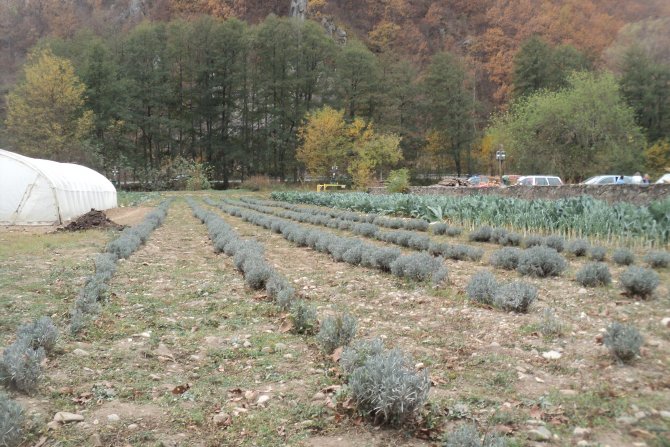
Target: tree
{"x":371,"y":151}
{"x":358,"y":75}
{"x":646,"y":86}
{"x":658,"y":157}
{"x":450,"y":107}
{"x":532,"y":67}
{"x":539,"y":66}
{"x":325,"y":141}
{"x":45,"y":112}
{"x":579,"y":131}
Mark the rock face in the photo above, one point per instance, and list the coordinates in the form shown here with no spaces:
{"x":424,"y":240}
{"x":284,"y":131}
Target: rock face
{"x":298,"y":9}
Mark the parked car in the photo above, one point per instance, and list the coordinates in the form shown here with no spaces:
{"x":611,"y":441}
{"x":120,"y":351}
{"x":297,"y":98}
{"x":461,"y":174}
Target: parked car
{"x":606,"y":180}
{"x":539,"y":180}
{"x":665,"y":178}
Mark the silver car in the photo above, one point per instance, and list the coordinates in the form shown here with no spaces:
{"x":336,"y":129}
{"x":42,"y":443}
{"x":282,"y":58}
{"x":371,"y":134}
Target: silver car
{"x":606,"y":180}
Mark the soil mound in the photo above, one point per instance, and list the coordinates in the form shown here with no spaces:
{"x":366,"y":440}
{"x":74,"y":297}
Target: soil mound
{"x":453,"y":181}
{"x":92,"y":219}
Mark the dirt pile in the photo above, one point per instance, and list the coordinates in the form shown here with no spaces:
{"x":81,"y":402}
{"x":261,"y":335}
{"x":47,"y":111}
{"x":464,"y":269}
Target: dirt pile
{"x":453,"y":181}
{"x":92,"y":219}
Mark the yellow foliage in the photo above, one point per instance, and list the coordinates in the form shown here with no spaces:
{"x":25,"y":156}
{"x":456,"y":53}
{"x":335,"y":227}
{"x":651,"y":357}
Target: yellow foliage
{"x":327,"y":140}
{"x":658,"y":157}
{"x":45,"y":112}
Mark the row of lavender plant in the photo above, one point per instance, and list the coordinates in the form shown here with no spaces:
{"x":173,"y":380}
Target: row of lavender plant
{"x":486,"y":233}
{"x":88,"y":303}
{"x":419,"y":266}
{"x":382,"y":221}
{"x":383,"y":382}
{"x":21,"y":362}
{"x":540,"y":259}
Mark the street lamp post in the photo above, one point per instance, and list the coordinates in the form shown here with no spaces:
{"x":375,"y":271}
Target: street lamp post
{"x":333,"y":173}
{"x":115,"y":178}
{"x":500,"y":156}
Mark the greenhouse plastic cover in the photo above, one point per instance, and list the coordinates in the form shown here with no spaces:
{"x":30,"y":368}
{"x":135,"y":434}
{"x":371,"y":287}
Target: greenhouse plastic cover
{"x":44,"y":192}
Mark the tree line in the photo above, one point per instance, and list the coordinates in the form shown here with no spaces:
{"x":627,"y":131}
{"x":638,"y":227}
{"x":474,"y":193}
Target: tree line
{"x":239,"y":99}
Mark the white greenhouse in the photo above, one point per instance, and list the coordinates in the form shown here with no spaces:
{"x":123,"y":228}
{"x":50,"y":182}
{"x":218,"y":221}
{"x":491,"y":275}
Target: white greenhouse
{"x":44,"y":192}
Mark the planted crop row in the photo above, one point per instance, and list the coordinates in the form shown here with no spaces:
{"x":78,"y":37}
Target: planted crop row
{"x":382,"y":221}
{"x":21,"y":369}
{"x":419,"y":266}
{"x":88,"y":302}
{"x":575,"y":216}
{"x":402,"y":238}
{"x":540,"y":259}
{"x":495,"y":235}
{"x":383,"y":382}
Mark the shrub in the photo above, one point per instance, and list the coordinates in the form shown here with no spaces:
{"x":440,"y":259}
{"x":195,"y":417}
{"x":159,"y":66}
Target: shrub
{"x":481,"y":234}
{"x":578,"y":247}
{"x":388,"y":387}
{"x":555,"y":242}
{"x":105,"y":265}
{"x":439,"y":228}
{"x":516,"y":296}
{"x":418,"y":242}
{"x":39,"y":334}
{"x":506,"y":258}
{"x":285,"y":298}
{"x":415,"y":225}
{"x":340,"y":246}
{"x":21,"y":366}
{"x":256,"y":272}
{"x":454,"y":231}
{"x":467,"y":435}
{"x":639,"y":281}
{"x":463,"y":252}
{"x":597,"y":253}
{"x":398,"y":181}
{"x":336,"y":331}
{"x":304,"y":317}
{"x":541,"y":262}
{"x":11,"y":422}
{"x":353,"y":255}
{"x":78,"y":321}
{"x":380,"y":258}
{"x":551,"y":326}
{"x":623,"y":341}
{"x":657,"y":259}
{"x":365,"y":229}
{"x":508,"y":238}
{"x":533,"y":241}
{"x":276,"y":283}
{"x":623,"y":256}
{"x":482,"y":287}
{"x":358,"y":352}
{"x":438,"y":248}
{"x":124,"y":245}
{"x":498,"y":235}
{"x":246,"y":250}
{"x":323,"y":241}
{"x":594,"y":274}
{"x":419,"y":267}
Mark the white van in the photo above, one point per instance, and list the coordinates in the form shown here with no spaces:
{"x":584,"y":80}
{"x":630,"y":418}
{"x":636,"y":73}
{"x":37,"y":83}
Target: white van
{"x":539,"y":180}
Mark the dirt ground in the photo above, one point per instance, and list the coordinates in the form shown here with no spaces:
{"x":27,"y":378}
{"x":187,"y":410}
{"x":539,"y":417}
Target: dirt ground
{"x":184,"y":354}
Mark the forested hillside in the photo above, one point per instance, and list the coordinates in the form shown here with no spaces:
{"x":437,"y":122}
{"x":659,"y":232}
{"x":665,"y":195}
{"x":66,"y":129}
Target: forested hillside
{"x":231,"y":88}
